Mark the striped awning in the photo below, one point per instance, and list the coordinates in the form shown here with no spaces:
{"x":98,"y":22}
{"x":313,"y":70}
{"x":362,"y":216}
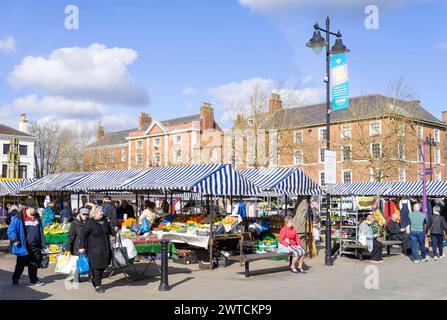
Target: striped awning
{"x":101,"y":180}
{"x":283,"y":181}
{"x":54,"y":182}
{"x":391,"y":188}
{"x":11,"y":186}
{"x":208,"y":179}
{"x":361,"y":188}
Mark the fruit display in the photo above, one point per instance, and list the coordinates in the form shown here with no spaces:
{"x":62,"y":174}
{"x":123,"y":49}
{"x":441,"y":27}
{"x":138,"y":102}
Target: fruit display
{"x":56,"y":228}
{"x":230,"y":220}
{"x":189,"y":219}
{"x":146,"y":240}
{"x":129,"y":222}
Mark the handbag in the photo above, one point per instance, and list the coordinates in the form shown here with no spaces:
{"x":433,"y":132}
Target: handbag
{"x":144,"y":226}
{"x":429,"y":229}
{"x":120,"y":259}
{"x":44,"y":262}
{"x":82,"y":264}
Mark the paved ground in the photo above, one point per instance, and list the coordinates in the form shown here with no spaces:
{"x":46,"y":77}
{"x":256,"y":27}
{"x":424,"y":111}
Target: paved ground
{"x":398,"y":278}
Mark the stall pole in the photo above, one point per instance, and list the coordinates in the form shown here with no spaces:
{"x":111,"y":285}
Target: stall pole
{"x":210,"y":212}
{"x":285,"y":199}
{"x":79,"y":201}
{"x":171,"y":209}
{"x":136,"y":204}
{"x":164,"y":285}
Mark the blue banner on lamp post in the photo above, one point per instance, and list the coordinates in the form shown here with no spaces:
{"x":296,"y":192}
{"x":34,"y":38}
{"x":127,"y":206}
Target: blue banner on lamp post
{"x":340,"y":83}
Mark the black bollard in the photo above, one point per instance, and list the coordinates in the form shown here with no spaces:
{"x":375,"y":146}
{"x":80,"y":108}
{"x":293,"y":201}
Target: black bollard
{"x":164,"y":285}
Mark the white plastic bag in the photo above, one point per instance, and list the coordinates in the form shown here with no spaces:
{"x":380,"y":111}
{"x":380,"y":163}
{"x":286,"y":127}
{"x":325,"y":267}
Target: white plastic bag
{"x":66,"y":263}
{"x":130,"y":247}
{"x":362,"y":239}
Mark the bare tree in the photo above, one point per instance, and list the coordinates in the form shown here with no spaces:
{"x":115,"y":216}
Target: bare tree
{"x":72,"y":142}
{"x":47,"y":147}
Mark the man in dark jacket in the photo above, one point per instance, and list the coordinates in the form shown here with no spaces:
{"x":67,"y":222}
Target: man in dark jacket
{"x":436,"y":228}
{"x":27,"y":240}
{"x":66,"y":213}
{"x":110,"y":212}
{"x":395,"y":232}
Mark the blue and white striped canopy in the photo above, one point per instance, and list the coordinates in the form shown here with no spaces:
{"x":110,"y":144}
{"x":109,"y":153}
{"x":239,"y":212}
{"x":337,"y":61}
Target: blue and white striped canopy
{"x":391,"y":188}
{"x":212,"y":179}
{"x":283,"y":181}
{"x":361,"y":188}
{"x":11,"y":187}
{"x":54,"y":182}
{"x":101,"y":180}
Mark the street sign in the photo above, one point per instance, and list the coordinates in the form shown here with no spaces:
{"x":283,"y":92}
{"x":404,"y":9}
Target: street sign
{"x":340,"y":82}
{"x":330,"y":167}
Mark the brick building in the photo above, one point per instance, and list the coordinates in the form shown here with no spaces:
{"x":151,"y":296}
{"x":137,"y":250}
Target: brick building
{"x":377,"y":138}
{"x":157,"y":143}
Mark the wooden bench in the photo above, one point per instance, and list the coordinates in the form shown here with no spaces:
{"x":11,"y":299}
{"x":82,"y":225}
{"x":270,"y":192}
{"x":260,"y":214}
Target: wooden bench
{"x":247,"y":258}
{"x":359,"y":247}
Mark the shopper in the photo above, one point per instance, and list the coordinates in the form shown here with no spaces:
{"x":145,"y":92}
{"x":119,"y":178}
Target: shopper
{"x":110,"y":212}
{"x":96,"y":243}
{"x":372,"y":239}
{"x":127,"y":209}
{"x":73,"y":243}
{"x":48,"y":214}
{"x":66,"y":213}
{"x":417,"y":235}
{"x":290,"y":242}
{"x":27,"y":241}
{"x":396,"y":232}
{"x":13,"y":211}
{"x":149,"y":213}
{"x":436,"y":228}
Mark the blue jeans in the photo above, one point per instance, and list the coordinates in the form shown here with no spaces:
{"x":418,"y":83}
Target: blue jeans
{"x":437,"y":241}
{"x":415,"y":238}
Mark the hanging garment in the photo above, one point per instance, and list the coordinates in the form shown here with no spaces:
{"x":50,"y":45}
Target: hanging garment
{"x":429,"y":208}
{"x":390,"y":208}
{"x":242,"y":210}
{"x":365,"y":203}
{"x":405,"y":209}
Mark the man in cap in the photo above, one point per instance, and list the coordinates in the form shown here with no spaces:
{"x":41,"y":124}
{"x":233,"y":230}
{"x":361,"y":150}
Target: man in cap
{"x":110,"y":212}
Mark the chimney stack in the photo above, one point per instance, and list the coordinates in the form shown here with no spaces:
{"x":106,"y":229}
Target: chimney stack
{"x":206,"y":116}
{"x":144,"y":118}
{"x":23,"y":124}
{"x":275,"y":103}
{"x":444,"y":116}
{"x":101,"y":133}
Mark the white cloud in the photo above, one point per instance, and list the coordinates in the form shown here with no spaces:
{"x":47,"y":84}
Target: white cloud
{"x":306,"y":80}
{"x":8,"y":45}
{"x":270,"y":6}
{"x":89,"y":73}
{"x":59,"y":107}
{"x":190,"y":91}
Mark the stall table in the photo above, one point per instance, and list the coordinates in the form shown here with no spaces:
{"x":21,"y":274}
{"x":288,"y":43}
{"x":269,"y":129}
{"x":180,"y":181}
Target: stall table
{"x":60,"y":238}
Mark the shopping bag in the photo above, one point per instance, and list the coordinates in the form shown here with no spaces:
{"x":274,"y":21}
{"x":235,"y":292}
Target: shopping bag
{"x":130,"y":248}
{"x":362,"y":239}
{"x":82,"y":264}
{"x":44,"y":262}
{"x":66,"y":263}
{"x":120,"y":259}
{"x":144,"y":226}
{"x":135,"y":228}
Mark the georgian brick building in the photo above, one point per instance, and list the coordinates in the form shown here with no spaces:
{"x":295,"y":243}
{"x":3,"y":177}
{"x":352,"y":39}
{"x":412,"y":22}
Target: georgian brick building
{"x":377,"y":138}
{"x":157,"y":143}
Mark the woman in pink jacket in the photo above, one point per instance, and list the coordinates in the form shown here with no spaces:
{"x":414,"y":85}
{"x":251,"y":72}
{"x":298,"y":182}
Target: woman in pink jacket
{"x":290,"y":242}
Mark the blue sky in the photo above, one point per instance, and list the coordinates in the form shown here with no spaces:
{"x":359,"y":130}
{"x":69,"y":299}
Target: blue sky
{"x":166,"y":57}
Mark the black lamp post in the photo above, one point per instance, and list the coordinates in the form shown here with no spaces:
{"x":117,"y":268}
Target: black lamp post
{"x":317,"y":43}
{"x":431,"y":142}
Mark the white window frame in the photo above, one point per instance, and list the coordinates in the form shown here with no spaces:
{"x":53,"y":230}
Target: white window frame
{"x":343,"y":174}
{"x":437,"y":135}
{"x":295,"y":157}
{"x":401,"y":129}
{"x":139,"y":145}
{"x":176,"y":137}
{"x":343,"y":129}
{"x":159,"y":158}
{"x":377,"y":133}
{"x":123,"y":156}
{"x":300,"y":132}
{"x":399,"y":171}
{"x":437,"y":156}
{"x":320,"y":160}
{"x":138,"y":159}
{"x":157,"y":144}
{"x":420,"y":133}
{"x":420,"y":177}
{"x":343,"y":152}
{"x":403,"y":151}
{"x":111,"y":157}
{"x":176,"y":158}
{"x":371,"y":149}
{"x":438,"y":176}
{"x":419,"y":156}
{"x":251,"y":121}
{"x":319,"y":178}
{"x":320,"y":130}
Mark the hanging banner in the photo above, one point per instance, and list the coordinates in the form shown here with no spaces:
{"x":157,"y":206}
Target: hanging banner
{"x":330,"y":167}
{"x":340,"y":82}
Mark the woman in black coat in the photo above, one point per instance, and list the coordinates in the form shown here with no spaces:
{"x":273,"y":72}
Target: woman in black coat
{"x":96,"y":242}
{"x":73,"y":243}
